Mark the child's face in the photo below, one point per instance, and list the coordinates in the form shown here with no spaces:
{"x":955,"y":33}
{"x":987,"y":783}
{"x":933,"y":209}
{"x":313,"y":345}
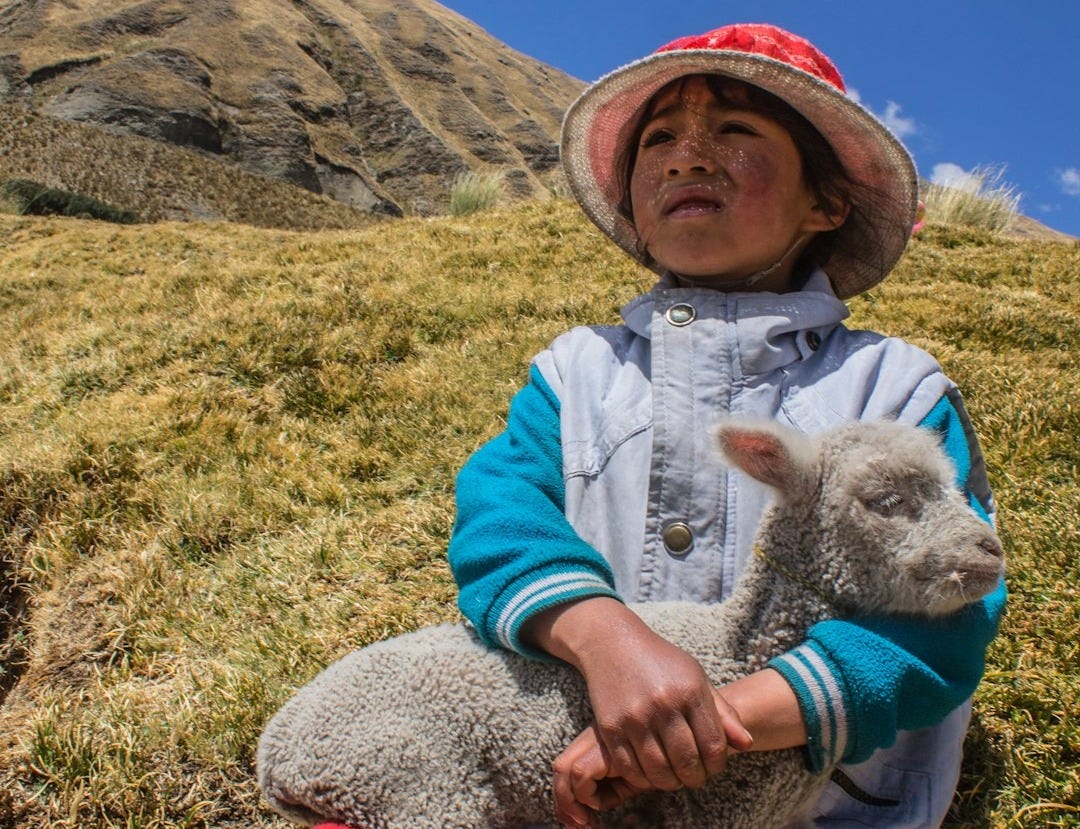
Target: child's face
{"x":718,"y":193}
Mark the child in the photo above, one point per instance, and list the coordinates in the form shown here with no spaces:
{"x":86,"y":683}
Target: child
{"x":734,"y":165}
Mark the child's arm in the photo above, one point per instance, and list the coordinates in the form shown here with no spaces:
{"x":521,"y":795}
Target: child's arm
{"x":513,"y":553}
{"x":518,"y":562}
{"x":875,"y":676}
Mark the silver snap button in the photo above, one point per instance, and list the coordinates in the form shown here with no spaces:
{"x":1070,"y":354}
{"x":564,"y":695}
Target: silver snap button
{"x":813,"y":340}
{"x":678,"y":538}
{"x":681,"y":314}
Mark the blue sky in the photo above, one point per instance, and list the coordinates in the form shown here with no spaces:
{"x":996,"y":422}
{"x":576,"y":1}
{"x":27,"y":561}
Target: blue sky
{"x":965,"y":84}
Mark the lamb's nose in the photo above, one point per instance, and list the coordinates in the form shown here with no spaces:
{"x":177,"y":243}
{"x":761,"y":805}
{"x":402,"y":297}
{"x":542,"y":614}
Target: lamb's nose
{"x":992,"y":546}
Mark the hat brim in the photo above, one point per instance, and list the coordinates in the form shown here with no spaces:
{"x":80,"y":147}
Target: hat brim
{"x":599,"y":124}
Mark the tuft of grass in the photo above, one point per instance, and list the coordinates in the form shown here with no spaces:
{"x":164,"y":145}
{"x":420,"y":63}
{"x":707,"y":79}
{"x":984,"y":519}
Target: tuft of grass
{"x":227,"y":458}
{"x":475,"y":191}
{"x":985,"y":202}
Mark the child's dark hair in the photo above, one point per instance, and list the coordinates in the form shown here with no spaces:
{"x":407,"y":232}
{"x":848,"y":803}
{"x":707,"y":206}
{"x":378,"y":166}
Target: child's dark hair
{"x":823,"y":173}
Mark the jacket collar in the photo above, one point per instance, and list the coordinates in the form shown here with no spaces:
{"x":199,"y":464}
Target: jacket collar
{"x":771,"y":330}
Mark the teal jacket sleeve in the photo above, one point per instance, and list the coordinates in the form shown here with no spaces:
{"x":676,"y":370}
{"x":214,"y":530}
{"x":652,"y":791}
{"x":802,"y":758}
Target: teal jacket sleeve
{"x":861,"y":680}
{"x":512,"y":551}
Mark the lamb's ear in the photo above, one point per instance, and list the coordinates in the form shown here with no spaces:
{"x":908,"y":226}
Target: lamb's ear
{"x":773,"y":454}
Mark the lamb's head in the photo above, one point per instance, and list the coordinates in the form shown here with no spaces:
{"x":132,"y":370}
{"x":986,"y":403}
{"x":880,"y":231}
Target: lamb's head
{"x":871,"y":514}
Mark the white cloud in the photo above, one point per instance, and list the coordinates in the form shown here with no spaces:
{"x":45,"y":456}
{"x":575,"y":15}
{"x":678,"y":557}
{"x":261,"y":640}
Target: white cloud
{"x":901,"y":127}
{"x":952,"y":175}
{"x":1069,"y":180}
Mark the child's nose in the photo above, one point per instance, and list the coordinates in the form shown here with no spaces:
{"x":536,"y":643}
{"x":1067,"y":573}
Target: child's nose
{"x":693,"y":154}
{"x":699,"y":166}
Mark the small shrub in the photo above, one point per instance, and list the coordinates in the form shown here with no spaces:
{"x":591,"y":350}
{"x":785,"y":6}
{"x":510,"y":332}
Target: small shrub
{"x":472,"y":192}
{"x":985,"y":202}
{"x":28,"y":198}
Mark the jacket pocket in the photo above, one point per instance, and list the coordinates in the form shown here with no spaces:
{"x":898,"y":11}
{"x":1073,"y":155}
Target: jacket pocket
{"x":589,"y":446}
{"x":876,"y":794}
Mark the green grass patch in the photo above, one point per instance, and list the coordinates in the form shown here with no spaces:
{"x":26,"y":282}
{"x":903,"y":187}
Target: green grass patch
{"x":227,"y":458}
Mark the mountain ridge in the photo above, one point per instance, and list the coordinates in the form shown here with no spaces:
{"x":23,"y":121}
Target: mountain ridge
{"x":378,"y":104}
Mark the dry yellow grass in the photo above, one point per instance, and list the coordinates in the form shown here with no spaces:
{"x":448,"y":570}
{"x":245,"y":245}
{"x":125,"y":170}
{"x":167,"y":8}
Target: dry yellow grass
{"x":227,"y":458}
{"x":985,"y":201}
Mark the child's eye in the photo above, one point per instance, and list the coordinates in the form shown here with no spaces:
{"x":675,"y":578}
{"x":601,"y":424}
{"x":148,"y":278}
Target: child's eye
{"x":737,"y":128}
{"x":658,"y":136}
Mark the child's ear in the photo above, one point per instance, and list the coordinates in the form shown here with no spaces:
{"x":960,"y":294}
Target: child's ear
{"x":824,"y":217}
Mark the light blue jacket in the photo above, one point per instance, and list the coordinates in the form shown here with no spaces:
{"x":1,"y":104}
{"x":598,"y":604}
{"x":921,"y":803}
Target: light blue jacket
{"x":610,"y":445}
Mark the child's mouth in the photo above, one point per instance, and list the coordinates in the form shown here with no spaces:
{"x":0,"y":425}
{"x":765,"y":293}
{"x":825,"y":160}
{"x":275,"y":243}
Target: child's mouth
{"x":694,"y":207}
{"x":692,"y":201}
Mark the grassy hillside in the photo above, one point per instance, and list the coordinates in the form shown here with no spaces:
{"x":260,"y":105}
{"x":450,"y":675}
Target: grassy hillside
{"x":227,"y":458}
{"x":154,"y":180}
{"x":379,"y":103}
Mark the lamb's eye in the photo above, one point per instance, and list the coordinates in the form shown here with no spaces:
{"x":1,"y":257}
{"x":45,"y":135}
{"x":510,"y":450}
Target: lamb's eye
{"x":886,"y":504}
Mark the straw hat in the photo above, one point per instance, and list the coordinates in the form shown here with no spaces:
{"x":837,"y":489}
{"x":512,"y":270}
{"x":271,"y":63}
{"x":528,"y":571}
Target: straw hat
{"x":599,"y":124}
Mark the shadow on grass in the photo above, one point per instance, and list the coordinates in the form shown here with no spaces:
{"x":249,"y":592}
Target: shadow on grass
{"x":982,"y":775}
{"x":13,"y":632}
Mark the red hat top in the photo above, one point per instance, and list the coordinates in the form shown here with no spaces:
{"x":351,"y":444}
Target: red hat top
{"x":766,"y":41}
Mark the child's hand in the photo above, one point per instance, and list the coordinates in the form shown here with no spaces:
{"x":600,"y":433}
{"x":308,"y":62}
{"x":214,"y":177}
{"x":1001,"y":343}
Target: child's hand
{"x":582,"y":784}
{"x":657,"y":716}
{"x":658,"y":721}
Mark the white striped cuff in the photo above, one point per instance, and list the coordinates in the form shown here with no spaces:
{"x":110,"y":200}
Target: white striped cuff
{"x":822,"y":692}
{"x":541,"y":594}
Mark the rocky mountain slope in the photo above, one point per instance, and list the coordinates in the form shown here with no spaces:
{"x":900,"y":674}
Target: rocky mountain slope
{"x":376,"y":103}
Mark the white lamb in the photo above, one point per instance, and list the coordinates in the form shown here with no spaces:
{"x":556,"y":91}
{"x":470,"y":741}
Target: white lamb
{"x":433,"y":729}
